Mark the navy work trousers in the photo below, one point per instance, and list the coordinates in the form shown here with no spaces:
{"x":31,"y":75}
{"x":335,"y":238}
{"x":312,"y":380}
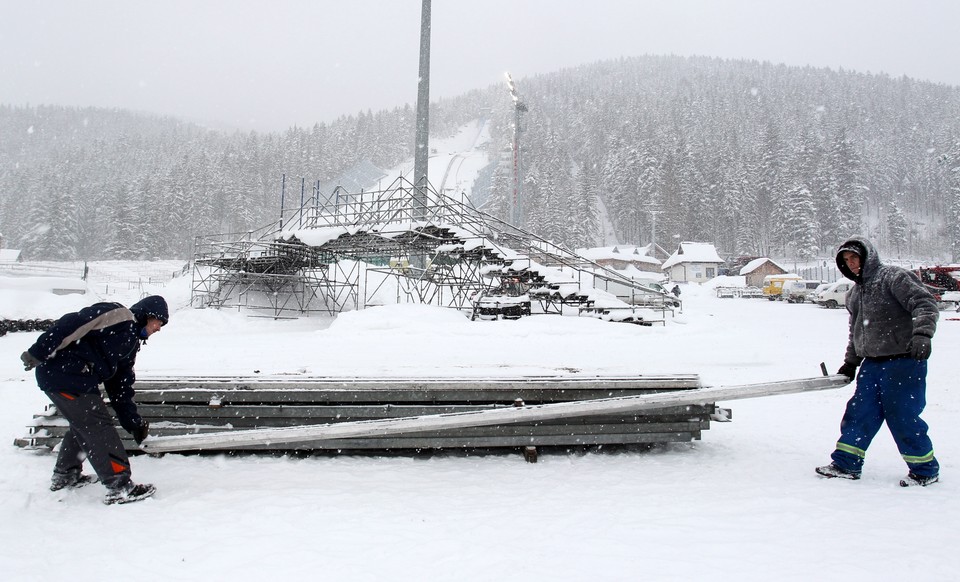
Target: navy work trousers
{"x":893,"y":391}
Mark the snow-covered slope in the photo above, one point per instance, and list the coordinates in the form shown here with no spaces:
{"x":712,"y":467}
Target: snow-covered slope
{"x":454,"y":162}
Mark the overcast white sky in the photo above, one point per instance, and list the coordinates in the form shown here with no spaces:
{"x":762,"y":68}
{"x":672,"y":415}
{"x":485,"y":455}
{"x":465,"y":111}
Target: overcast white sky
{"x":267,"y":65}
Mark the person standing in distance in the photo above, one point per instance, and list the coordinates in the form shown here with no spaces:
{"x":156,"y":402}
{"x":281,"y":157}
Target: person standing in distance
{"x":96,"y":345}
{"x":892,"y":320}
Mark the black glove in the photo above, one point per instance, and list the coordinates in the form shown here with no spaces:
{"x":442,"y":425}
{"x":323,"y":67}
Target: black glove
{"x":140,"y":432}
{"x":849,"y":370}
{"x":29,"y":362}
{"x":920,"y":347}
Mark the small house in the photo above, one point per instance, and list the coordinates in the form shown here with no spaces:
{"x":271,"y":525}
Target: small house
{"x":757,"y":269}
{"x":10,"y":256}
{"x":655,"y":251}
{"x":693,"y":262}
{"x":622,"y":257}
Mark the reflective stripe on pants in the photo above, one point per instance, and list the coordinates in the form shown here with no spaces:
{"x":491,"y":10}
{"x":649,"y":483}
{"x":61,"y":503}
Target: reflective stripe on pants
{"x":893,"y":391}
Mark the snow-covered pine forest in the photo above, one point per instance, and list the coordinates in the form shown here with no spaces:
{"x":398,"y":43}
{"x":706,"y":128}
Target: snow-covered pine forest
{"x":759,"y":159}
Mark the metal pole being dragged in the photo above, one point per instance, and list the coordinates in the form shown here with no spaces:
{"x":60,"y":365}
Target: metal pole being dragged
{"x":501,"y":416}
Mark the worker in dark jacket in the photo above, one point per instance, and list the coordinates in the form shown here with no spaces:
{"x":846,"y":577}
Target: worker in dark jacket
{"x":96,"y":345}
{"x":892,"y":320}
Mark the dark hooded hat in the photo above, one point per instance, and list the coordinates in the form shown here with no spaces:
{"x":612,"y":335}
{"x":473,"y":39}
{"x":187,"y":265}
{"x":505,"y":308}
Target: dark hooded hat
{"x":152,"y":306}
{"x":853,"y":247}
{"x":861,"y":247}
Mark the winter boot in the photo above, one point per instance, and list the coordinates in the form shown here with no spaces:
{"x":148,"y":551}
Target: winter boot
{"x":128,"y":493}
{"x":830,"y":471}
{"x":912,"y":480}
{"x":72,"y":480}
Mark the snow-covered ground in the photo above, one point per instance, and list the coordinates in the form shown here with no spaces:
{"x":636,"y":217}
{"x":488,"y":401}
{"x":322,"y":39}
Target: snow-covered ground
{"x":742,"y":504}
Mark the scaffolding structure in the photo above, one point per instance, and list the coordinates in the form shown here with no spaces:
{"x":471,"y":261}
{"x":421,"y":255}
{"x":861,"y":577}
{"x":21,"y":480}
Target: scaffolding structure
{"x":281,"y":278}
{"x":344,"y":251}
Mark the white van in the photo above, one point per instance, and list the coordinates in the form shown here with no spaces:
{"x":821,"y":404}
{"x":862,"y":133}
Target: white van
{"x":834,"y":295}
{"x":801,"y":291}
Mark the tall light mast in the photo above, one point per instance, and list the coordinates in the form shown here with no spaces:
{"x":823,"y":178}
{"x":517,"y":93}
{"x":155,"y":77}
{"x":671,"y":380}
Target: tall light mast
{"x":421,"y":154}
{"x":516,"y":204}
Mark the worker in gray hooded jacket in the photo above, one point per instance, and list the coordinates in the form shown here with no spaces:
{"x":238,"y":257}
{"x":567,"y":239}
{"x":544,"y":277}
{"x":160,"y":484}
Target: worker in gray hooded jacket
{"x":892,"y":320}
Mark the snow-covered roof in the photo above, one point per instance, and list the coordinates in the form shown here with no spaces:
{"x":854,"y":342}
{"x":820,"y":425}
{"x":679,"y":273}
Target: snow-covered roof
{"x":755,"y":264}
{"x":316,"y":237}
{"x":618,"y":252}
{"x":693,"y":252}
{"x":9,"y":255}
{"x":635,"y":273}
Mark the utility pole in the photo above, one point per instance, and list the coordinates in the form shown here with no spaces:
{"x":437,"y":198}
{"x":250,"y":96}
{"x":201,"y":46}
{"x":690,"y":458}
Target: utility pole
{"x":653,"y":211}
{"x":421,"y":154}
{"x":516,"y":205}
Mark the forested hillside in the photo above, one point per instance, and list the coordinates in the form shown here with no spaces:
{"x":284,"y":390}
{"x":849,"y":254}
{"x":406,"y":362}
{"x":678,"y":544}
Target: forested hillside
{"x":756,"y":158}
{"x":95,"y":184}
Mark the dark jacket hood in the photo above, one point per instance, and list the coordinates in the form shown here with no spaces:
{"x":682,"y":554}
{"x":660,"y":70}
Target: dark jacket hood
{"x":869,"y":258}
{"x":152,"y":306}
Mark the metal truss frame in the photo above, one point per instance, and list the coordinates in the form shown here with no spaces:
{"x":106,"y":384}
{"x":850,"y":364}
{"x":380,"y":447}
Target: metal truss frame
{"x":401,"y":244}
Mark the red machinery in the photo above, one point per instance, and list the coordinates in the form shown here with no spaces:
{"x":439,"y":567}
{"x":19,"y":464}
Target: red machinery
{"x":940,"y":280}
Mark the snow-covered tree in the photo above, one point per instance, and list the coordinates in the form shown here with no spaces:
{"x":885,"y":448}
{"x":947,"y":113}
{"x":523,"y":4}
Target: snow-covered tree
{"x":844,"y":189}
{"x":799,"y":222}
{"x":585,"y":219}
{"x":52,"y":224}
{"x":896,"y":226}
{"x":500,"y":199}
{"x":952,"y":163}
{"x":123,"y":240}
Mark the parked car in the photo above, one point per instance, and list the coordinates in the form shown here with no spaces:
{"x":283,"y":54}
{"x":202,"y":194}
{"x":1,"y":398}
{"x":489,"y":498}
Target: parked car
{"x":835,"y":294}
{"x":726,"y":292}
{"x":947,"y":300}
{"x":773,"y":285}
{"x":801,"y":291}
{"x":646,"y":292}
{"x":668,"y":296}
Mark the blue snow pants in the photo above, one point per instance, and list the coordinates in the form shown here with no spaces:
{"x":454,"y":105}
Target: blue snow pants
{"x":893,"y":391}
